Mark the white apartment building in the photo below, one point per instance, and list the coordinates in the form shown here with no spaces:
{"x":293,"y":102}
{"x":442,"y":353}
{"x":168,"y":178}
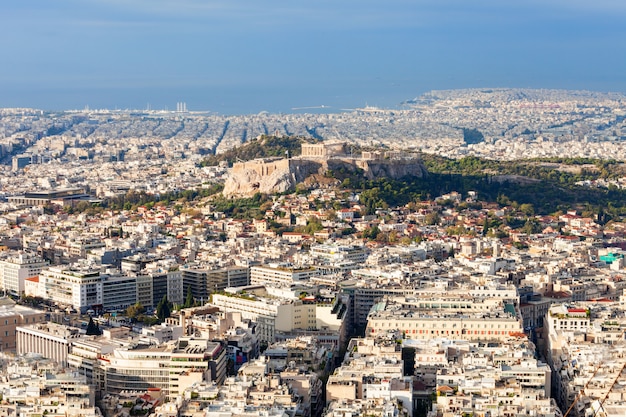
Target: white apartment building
{"x":280,"y":275}
{"x":369,"y":370}
{"x":472,"y":377}
{"x":337,"y":253}
{"x":79,"y":288}
{"x":263,"y":312}
{"x":27,"y":391}
{"x":563,"y":318}
{"x":344,"y":407}
{"x":278,"y":315}
{"x":15,"y":269}
{"x":455,"y":318}
{"x":529,"y":374}
{"x":86,"y":289}
{"x":585,"y":345}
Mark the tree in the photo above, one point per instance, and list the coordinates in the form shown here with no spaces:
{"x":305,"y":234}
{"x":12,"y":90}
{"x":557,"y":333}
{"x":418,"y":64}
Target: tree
{"x":313,"y":225}
{"x":135,"y":310}
{"x":486,"y":226}
{"x":93,"y":329}
{"x":432,"y":218}
{"x":371,"y":232}
{"x":531,"y":226}
{"x":189,"y":302}
{"x":163,"y":309}
{"x":527,"y":209}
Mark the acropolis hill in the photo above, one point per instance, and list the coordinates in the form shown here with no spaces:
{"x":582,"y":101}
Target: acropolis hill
{"x":271,"y":175}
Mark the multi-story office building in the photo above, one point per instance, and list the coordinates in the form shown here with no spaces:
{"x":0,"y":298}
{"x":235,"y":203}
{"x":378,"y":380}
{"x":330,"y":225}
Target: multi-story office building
{"x":340,"y":253}
{"x":15,"y":269}
{"x":204,"y":282}
{"x":160,"y":284}
{"x":175,"y":293}
{"x":280,"y":275}
{"x":363,"y":297}
{"x":86,"y":355}
{"x":274,"y":315}
{"x":151,"y":288}
{"x":118,"y":291}
{"x":145,"y":291}
{"x":171,"y":367}
{"x":86,"y":289}
{"x":455,"y":318}
{"x":79,"y":288}
{"x":115,"y":365}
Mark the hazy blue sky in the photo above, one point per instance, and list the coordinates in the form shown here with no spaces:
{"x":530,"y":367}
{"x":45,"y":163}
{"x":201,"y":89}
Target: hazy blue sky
{"x":241,"y":56}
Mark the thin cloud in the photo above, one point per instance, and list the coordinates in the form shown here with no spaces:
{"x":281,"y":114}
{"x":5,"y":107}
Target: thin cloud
{"x":109,"y":23}
{"x":323,"y":14}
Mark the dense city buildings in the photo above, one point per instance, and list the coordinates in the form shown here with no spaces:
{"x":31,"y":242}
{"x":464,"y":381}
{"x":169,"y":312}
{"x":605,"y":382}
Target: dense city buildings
{"x":105,"y":152}
{"x":489,"y":328}
{"x":130,"y":289}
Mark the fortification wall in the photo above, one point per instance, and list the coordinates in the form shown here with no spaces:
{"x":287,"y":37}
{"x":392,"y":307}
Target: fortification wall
{"x":262,"y":167}
{"x":272,"y":175}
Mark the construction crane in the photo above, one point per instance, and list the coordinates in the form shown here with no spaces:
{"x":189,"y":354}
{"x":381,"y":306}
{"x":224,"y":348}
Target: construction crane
{"x":606,"y":394}
{"x":582,"y":390}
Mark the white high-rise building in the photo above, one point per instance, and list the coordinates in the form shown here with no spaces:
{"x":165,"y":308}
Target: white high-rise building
{"x":15,"y":269}
{"x":86,"y":289}
{"x":79,"y":288}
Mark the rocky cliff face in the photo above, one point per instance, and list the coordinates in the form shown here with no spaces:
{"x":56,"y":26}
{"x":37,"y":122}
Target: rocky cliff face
{"x":251,"y":179}
{"x":246,"y":179}
{"x":395,"y":168}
